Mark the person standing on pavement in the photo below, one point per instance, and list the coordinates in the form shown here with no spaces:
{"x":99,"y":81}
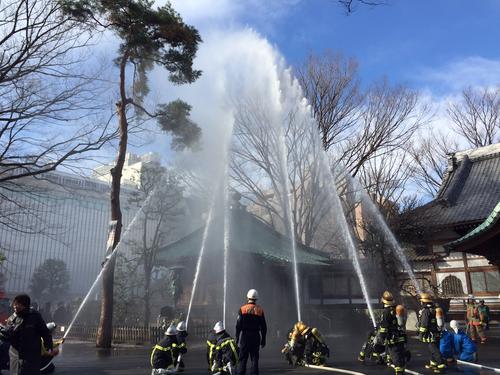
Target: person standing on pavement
{"x":25,"y":330}
{"x":475,"y":321}
{"x":429,"y":332}
{"x":484,"y":312}
{"x":251,"y":325}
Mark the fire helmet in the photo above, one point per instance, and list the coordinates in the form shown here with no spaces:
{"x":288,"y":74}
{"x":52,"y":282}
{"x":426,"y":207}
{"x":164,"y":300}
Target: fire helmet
{"x":299,"y":327}
{"x":219,"y":327}
{"x":171,"y":331}
{"x":425,"y":297}
{"x":252,"y":294}
{"x":387,"y":298}
{"x":181,"y":326}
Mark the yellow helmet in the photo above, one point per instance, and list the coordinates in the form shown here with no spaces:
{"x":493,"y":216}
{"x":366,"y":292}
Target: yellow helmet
{"x":299,"y":327}
{"x":387,"y":298}
{"x":425,"y":297}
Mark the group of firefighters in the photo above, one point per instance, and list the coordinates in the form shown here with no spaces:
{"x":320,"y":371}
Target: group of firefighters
{"x":386,"y":344}
{"x":225,"y":355}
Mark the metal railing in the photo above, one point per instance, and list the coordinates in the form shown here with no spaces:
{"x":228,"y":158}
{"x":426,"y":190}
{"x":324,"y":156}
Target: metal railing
{"x":131,"y":334}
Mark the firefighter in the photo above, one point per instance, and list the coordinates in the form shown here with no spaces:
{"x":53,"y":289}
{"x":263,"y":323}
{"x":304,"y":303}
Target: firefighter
{"x":429,"y":328}
{"x":475,"y":321}
{"x":226,"y":352}
{"x":305,"y":346}
{"x":391,"y":332}
{"x":164,"y":353}
{"x":211,"y":349}
{"x":294,"y":349}
{"x":181,"y":345}
{"x":373,"y":348}
{"x":316,"y":350}
{"x":251,"y":325}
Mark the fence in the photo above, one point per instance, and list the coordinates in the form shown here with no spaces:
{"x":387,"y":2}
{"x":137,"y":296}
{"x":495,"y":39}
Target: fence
{"x":131,"y":334}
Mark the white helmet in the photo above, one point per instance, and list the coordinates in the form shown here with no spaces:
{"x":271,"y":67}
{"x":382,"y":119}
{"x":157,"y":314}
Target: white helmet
{"x":171,"y":330}
{"x":181,"y":327}
{"x":454,"y":325}
{"x":51,"y":326}
{"x":252,"y":294}
{"x":219,"y":327}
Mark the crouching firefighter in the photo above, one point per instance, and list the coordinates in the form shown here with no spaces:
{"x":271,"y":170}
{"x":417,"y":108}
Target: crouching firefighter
{"x":164,"y":354}
{"x":391,"y":331}
{"x":224,"y":352}
{"x":316,"y":350}
{"x":305,"y":346}
{"x":430,"y":323}
{"x":181,"y":345}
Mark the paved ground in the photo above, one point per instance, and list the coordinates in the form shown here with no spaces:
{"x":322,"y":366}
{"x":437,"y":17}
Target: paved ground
{"x":83,"y":358}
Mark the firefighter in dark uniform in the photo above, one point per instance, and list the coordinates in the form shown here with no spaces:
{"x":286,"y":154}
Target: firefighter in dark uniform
{"x":251,"y":325}
{"x":211,"y":349}
{"x":226,"y":351}
{"x":181,"y":344}
{"x":429,"y":332}
{"x":391,"y":332}
{"x":164,"y":353}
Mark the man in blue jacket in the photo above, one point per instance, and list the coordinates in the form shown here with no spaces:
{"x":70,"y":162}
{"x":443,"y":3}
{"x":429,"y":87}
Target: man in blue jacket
{"x":463,"y":347}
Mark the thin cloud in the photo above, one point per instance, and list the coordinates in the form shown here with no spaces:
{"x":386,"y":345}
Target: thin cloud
{"x":473,"y":71}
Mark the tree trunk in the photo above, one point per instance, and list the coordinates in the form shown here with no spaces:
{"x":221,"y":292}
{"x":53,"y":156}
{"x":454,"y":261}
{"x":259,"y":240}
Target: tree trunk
{"x":147,"y":294}
{"x":105,"y":329}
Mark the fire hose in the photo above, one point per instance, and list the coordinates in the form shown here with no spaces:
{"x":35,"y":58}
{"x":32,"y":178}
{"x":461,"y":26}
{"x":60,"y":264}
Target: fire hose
{"x":333,"y":369}
{"x":483,"y":367}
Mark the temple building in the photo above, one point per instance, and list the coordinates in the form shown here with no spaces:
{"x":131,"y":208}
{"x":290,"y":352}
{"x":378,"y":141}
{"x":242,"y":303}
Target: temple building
{"x":260,"y":257}
{"x":461,"y":249}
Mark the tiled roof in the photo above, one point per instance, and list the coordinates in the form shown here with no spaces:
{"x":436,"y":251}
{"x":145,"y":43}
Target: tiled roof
{"x":469,"y":191}
{"x":248,"y":234}
{"x":490,"y":221}
{"x":413,"y":254}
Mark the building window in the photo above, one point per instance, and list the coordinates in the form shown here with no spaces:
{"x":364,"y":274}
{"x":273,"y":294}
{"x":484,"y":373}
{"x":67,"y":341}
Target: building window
{"x":315,"y":286}
{"x":335,"y":286}
{"x":492,"y":281}
{"x":488,"y":281}
{"x":452,"y":286}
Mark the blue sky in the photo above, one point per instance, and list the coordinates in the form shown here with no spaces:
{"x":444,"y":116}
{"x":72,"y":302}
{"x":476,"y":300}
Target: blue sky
{"x":436,"y":46}
{"x":405,"y":39}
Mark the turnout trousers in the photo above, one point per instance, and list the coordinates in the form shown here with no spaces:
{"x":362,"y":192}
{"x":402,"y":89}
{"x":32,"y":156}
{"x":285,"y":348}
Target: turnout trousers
{"x":398,"y":357}
{"x":436,"y":358}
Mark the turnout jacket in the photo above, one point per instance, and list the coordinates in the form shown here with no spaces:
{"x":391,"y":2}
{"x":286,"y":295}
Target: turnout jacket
{"x":251,"y":321}
{"x":25,"y":332}
{"x":428,"y":330}
{"x":226,"y":350}
{"x":388,"y":329}
{"x":164,"y":353}
{"x":181,"y":342}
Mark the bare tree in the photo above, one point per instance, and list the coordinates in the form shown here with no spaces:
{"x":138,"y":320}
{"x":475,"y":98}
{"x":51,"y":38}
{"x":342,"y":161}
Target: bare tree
{"x":386,"y":178}
{"x":390,"y":117}
{"x":428,"y":160}
{"x":159,"y":219}
{"x":477,"y":116}
{"x":257,"y":171}
{"x":46,"y":97}
{"x":350,"y":5}
{"x":331,"y":84}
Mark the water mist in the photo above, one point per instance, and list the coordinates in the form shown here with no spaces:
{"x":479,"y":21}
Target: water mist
{"x":108,"y":259}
